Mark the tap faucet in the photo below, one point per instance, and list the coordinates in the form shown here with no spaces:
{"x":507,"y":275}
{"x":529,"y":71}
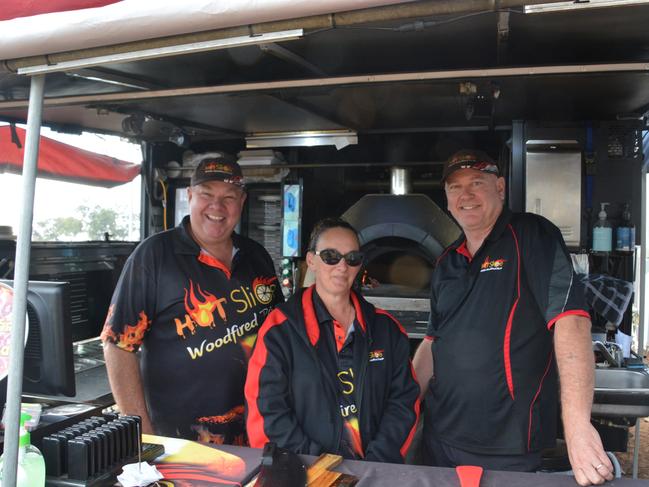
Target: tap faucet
{"x":601,"y":347}
{"x":617,"y":352}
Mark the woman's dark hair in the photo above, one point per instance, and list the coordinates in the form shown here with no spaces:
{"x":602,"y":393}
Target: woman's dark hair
{"x":327,"y":224}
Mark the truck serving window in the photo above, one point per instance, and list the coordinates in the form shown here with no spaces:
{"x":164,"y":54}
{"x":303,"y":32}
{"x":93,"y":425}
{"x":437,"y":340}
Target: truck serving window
{"x":77,"y":208}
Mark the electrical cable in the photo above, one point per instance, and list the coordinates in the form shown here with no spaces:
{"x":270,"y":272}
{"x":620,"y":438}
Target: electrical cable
{"x":164,"y":203}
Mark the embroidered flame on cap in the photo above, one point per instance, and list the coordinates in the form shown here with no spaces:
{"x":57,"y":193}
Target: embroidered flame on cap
{"x":217,"y":167}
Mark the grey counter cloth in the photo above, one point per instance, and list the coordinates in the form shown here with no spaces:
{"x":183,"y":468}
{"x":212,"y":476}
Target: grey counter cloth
{"x":608,"y":296}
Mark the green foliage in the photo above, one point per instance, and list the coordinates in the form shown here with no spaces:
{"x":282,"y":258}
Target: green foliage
{"x":58,"y":229}
{"x":98,"y":221}
{"x":90,"y":224}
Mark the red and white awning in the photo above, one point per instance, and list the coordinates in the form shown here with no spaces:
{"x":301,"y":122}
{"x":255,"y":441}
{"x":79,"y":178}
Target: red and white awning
{"x":64,"y":162}
{"x":35,"y":27}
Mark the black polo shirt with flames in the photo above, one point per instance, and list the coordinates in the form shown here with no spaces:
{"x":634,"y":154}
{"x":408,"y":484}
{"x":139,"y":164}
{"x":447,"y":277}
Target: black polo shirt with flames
{"x":494,"y":389}
{"x":194,"y":322}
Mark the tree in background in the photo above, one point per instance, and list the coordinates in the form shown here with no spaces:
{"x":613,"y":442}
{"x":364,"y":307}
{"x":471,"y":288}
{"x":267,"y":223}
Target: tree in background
{"x":99,"y":221}
{"x":58,"y":229}
{"x":91,"y":224}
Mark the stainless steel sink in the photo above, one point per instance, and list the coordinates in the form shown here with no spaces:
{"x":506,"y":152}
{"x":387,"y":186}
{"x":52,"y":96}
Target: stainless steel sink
{"x":614,"y":378}
{"x":621,"y":392}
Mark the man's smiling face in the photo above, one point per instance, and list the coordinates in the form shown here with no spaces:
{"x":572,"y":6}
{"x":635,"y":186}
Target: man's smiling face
{"x":214,"y":210}
{"x":475,"y":199}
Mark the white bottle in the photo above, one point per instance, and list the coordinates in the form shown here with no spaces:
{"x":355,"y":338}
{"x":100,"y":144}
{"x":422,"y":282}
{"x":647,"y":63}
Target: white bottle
{"x":602,"y":232}
{"x":31,"y":464}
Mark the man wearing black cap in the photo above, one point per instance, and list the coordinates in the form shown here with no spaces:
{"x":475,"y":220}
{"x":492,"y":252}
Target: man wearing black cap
{"x":505,"y":308}
{"x":191,"y":300}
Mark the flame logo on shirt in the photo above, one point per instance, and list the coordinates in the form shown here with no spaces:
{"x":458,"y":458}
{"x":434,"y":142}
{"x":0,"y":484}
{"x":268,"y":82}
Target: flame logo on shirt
{"x":234,"y":414}
{"x":246,"y":345}
{"x":205,"y":435}
{"x":264,"y":288}
{"x":133,"y":335}
{"x":376,"y":356}
{"x":354,"y":436}
{"x":492,"y":265}
{"x":202,"y":311}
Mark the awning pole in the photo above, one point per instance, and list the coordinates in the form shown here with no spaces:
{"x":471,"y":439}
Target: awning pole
{"x":21,"y":276}
{"x":644,"y":241}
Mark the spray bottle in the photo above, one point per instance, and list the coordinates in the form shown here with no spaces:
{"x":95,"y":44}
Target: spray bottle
{"x":31,"y":464}
{"x":602,"y":232}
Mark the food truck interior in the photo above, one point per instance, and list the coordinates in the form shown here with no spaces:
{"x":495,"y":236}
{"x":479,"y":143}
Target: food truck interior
{"x":353,"y":114}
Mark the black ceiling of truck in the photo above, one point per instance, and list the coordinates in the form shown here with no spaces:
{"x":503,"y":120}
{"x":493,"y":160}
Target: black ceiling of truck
{"x":447,"y":51}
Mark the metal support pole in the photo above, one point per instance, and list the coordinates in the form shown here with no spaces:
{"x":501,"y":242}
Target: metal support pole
{"x":644,"y":241}
{"x":516,"y":181}
{"x":21,"y":276}
{"x":636,"y":447}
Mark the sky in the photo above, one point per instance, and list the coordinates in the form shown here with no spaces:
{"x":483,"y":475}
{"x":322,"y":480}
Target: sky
{"x":60,"y":199}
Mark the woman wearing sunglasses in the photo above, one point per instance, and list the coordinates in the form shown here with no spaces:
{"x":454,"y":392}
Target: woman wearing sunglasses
{"x":330,"y":373}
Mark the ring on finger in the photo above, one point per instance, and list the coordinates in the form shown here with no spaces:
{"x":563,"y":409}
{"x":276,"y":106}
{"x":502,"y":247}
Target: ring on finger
{"x":599,"y":466}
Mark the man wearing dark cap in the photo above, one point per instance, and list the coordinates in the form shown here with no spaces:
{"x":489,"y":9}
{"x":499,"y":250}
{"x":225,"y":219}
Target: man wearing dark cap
{"x":185,"y":314}
{"x":506,"y":313}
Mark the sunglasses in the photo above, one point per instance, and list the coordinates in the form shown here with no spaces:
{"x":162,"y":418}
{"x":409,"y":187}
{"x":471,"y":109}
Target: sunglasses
{"x":332,"y":257}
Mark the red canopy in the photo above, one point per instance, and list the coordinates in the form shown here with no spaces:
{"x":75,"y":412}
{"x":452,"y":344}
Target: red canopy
{"x":57,"y":160}
{"x":26,"y":8}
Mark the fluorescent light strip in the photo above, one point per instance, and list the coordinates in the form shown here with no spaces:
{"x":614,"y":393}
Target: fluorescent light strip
{"x":576,"y":5}
{"x":338,"y":138}
{"x":163,"y":52}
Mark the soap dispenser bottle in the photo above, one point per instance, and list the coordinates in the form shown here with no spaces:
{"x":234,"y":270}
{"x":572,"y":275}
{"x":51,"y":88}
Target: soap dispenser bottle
{"x":31,"y":464}
{"x":602,"y":232}
{"x":626,"y":232}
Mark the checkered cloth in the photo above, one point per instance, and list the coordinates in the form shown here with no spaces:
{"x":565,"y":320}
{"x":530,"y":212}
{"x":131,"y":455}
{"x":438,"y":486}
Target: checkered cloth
{"x":608,"y":296}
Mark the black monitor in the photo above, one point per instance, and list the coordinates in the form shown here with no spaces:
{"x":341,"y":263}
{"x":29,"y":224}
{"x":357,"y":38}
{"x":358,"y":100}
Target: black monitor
{"x":48,"y":364}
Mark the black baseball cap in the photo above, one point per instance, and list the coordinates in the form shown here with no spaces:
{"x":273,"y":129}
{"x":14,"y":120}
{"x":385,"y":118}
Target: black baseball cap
{"x":470,"y":159}
{"x":218,"y":169}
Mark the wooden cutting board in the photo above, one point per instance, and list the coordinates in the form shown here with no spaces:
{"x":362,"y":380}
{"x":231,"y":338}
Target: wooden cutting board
{"x":319,"y":475}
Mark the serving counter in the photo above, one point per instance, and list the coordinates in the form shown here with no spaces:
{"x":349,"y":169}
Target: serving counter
{"x":203,"y":465}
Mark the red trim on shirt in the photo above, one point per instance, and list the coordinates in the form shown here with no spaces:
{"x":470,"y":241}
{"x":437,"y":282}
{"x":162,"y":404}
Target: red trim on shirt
{"x":212,"y":261}
{"x":429,"y":339}
{"x":310,"y":319}
{"x":508,"y":329}
{"x":538,"y":391}
{"x":442,"y":256}
{"x":396,"y":321}
{"x":572,"y":312}
{"x":359,"y":311}
{"x":406,"y":444}
{"x":463,"y":250}
{"x":255,"y":421}
{"x":339,"y":335}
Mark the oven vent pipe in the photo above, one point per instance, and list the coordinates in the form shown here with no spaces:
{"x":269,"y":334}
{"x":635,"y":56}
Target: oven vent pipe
{"x":400,"y":183}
